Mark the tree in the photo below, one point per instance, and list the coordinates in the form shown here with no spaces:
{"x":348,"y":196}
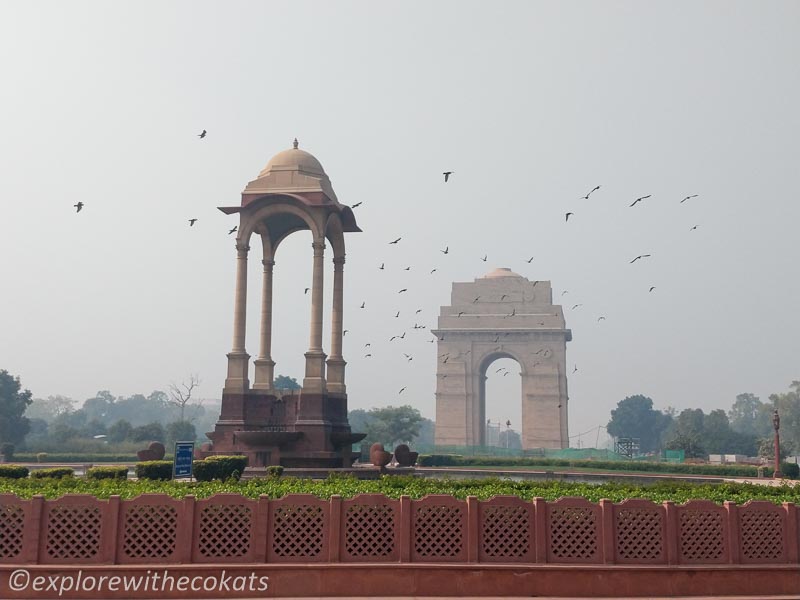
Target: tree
{"x":283,"y":382}
{"x":690,"y":444}
{"x":152,"y":432}
{"x":50,"y":408}
{"x":180,"y":431}
{"x":751,"y":416}
{"x":634,"y":417}
{"x":510,"y":439}
{"x":13,"y":402}
{"x":180,"y":395}
{"x":390,"y":425}
{"x":120,"y":431}
{"x":788,"y":406}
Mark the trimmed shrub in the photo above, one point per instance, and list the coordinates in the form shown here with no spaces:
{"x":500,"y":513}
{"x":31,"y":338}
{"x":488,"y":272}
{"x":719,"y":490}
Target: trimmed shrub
{"x":275,"y":470}
{"x":107,"y":473}
{"x":219,"y":467}
{"x":13,"y":472}
{"x":456,"y":460}
{"x":790,"y":470}
{"x":68,"y":457}
{"x":53,"y":473}
{"x":160,"y":470}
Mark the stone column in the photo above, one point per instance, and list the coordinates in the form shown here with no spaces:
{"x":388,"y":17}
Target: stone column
{"x":336,"y":362}
{"x":314,"y":380}
{"x":264,"y":365}
{"x":238,"y":358}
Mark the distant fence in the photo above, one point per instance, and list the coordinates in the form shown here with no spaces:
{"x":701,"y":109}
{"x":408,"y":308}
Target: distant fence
{"x":559,"y":453}
{"x":300,"y":528}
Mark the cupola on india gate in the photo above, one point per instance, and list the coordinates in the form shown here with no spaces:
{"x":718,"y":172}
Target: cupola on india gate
{"x":310,"y":429}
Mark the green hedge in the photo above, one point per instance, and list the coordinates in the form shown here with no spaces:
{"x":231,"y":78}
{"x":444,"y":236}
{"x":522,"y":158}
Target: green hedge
{"x":455,"y":460}
{"x":13,"y":471}
{"x":790,"y":470}
{"x":54,"y":473}
{"x":160,"y":470}
{"x":67,"y":457}
{"x":107,"y":473}
{"x":275,"y":470}
{"x":219,"y":467}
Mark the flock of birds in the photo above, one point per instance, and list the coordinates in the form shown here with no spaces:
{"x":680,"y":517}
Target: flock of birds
{"x":446,"y":251}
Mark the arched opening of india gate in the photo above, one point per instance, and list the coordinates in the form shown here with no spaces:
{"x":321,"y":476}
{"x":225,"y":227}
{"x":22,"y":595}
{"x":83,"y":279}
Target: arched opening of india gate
{"x":501,"y":315}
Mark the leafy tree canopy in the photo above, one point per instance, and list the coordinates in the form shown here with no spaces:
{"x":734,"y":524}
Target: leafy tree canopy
{"x":284,"y":382}
{"x":635,"y":417}
{"x":390,"y":425}
{"x":13,"y":402}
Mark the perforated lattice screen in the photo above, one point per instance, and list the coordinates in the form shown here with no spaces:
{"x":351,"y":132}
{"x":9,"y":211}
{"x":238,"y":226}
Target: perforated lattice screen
{"x":761,"y":535}
{"x":701,"y":536}
{"x":11,"y":521}
{"x":438,"y":531}
{"x":639,"y":534}
{"x":297,"y":531}
{"x":369,"y":531}
{"x":73,"y":532}
{"x":224,"y":531}
{"x":150,"y":531}
{"x":505,"y":532}
{"x":573,"y":533}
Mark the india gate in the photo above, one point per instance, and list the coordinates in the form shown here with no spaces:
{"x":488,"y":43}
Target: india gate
{"x":501,"y":315}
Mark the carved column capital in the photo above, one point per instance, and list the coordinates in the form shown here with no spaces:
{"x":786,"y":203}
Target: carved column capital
{"x":319,"y":248}
{"x":242,"y":249}
{"x":268,"y":263}
{"x":338,"y":263}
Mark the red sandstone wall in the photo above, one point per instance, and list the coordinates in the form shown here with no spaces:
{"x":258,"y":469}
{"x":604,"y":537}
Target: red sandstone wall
{"x":231,"y":529}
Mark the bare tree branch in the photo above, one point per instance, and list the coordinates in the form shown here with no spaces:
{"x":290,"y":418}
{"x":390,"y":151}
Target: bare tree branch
{"x":180,"y":395}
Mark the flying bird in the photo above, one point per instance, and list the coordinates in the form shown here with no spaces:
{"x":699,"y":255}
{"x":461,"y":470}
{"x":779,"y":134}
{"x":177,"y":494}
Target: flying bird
{"x":576,"y":306}
{"x":504,"y":296}
{"x":689,"y":197}
{"x":567,"y":216}
{"x":407,"y":269}
{"x":638,"y":257}
{"x":356,"y":205}
{"x":476,"y":299}
{"x":575,"y":370}
{"x":485,"y":256}
{"x":640,"y":199}
{"x":235,"y":227}
{"x":586,"y":197}
{"x":367,"y":355}
{"x":403,"y":290}
{"x":693,"y":228}
{"x":447,"y":175}
{"x":601,"y":318}
{"x":652,"y":287}
{"x":192,"y":222}
{"x":459,"y":314}
{"x":433,"y":271}
{"x":565,"y":292}
{"x":79,"y":206}
{"x":397,"y":315}
{"x":401,"y":390}
{"x":306,"y":290}
{"x":381,"y":267}
{"x":446,"y":250}
{"x":367,"y":345}
{"x":344,"y":333}
{"x":506,"y":373}
{"x":408,"y":356}
{"x":363,"y":304}
{"x":529,"y":260}
{"x":397,"y":240}
{"x":419,"y":310}
{"x":202,"y":135}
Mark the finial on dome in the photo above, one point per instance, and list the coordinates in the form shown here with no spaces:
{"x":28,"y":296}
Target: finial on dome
{"x":295,"y":143}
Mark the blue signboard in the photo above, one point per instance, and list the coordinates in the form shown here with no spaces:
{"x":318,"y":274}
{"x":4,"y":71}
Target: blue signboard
{"x":184,"y":454}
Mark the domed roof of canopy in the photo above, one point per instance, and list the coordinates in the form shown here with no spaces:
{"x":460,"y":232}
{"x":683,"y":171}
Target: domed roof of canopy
{"x":501,"y":272}
{"x":293,"y":159}
{"x":292,"y":171}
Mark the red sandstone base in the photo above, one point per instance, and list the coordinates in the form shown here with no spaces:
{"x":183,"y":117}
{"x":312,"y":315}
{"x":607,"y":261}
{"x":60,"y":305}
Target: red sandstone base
{"x":364,"y":580}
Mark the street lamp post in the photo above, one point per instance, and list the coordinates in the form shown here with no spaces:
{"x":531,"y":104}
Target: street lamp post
{"x":776,"y":423}
{"x":508,"y":432}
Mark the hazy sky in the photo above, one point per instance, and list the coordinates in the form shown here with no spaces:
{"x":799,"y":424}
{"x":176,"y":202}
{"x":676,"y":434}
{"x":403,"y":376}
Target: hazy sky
{"x":531,"y":104}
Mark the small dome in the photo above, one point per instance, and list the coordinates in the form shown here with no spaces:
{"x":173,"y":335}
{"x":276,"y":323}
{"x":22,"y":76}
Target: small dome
{"x":501,"y":272}
{"x":293,"y":159}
